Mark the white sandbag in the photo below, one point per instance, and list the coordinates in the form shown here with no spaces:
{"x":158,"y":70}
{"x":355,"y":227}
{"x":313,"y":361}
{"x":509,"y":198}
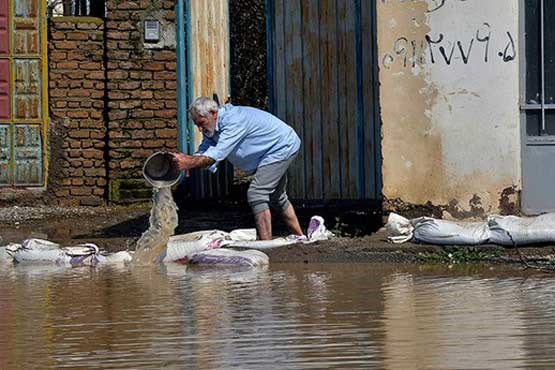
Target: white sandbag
{"x":232,"y":257}
{"x":442,"y":232}
{"x":37,"y":251}
{"x":434,"y":231}
{"x":400,"y":228}
{"x":513,"y":230}
{"x":261,"y":244}
{"x":181,"y":248}
{"x":243,"y":234}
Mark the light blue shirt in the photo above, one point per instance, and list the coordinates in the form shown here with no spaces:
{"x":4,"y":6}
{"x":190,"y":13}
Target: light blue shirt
{"x":249,"y":138}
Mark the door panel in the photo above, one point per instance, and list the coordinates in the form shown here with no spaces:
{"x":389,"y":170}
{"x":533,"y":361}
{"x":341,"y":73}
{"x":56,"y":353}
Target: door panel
{"x":23,"y":116}
{"x":323,"y":83}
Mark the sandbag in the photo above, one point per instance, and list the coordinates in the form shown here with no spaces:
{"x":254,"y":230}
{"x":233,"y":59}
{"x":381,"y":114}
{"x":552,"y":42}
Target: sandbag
{"x":181,"y":248}
{"x":400,"y":228}
{"x":39,"y":251}
{"x":513,"y":230}
{"x":433,"y":231}
{"x":224,"y":256}
{"x":442,"y":232}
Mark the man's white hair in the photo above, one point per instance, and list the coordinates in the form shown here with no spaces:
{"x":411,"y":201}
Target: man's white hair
{"x":202,"y":106}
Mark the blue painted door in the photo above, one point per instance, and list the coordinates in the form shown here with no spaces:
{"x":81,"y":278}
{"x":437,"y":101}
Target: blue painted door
{"x":323,"y":82}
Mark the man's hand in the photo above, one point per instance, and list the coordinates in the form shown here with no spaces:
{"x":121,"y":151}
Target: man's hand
{"x":187,"y":162}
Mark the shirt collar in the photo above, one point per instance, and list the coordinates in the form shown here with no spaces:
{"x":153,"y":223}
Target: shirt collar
{"x":221,"y":113}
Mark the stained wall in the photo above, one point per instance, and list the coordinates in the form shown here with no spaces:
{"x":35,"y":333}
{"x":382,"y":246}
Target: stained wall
{"x":449,"y":90}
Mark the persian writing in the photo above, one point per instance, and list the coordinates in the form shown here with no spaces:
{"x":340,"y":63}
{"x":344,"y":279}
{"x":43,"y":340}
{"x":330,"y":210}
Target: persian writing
{"x":440,"y":49}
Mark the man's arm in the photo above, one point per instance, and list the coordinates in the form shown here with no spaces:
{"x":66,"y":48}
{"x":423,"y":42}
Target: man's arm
{"x":187,"y":162}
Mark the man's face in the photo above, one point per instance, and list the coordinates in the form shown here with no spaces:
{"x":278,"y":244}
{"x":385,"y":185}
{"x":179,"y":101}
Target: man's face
{"x":206,"y":125}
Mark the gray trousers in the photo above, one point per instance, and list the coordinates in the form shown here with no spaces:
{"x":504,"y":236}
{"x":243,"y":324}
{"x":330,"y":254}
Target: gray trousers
{"x":268,"y":187}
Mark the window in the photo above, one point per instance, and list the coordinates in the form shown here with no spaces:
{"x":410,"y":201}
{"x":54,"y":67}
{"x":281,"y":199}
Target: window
{"x":60,"y":8}
{"x":539,"y":70}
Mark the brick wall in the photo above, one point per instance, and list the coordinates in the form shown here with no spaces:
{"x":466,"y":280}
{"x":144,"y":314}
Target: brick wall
{"x":77,"y":174}
{"x":141,"y":86}
{"x":113,"y":96}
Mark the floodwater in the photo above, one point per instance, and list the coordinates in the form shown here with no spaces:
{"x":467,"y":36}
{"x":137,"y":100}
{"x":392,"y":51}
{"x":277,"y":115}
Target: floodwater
{"x":333,"y":316}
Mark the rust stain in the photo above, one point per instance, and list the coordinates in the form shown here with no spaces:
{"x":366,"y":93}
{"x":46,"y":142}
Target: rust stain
{"x":509,"y":201}
{"x":508,"y":204}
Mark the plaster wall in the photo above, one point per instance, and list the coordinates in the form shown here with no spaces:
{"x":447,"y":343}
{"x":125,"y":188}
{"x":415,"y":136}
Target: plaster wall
{"x":449,"y":93}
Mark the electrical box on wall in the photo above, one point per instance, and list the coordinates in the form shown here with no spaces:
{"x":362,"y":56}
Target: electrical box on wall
{"x":152,"y":30}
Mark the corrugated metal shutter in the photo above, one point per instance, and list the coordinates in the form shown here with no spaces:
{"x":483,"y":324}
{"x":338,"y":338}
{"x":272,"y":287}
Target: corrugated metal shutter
{"x":323,"y":82}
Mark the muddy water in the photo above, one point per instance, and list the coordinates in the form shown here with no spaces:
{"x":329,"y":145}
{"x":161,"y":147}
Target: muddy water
{"x":162,"y":223}
{"x":331,"y":316}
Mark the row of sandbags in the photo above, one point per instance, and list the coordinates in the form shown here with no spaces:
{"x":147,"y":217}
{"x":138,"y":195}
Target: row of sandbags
{"x":209,"y":247}
{"x":39,"y":251}
{"x":502,"y":230}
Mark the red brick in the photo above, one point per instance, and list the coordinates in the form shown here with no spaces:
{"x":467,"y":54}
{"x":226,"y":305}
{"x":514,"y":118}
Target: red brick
{"x":154,"y":66}
{"x":58,"y":55}
{"x":141,"y":94}
{"x":152,"y":104}
{"x":118,"y":95}
{"x":91,"y":66}
{"x":153,"y":144}
{"x":96,"y":75}
{"x":67,"y":65}
{"x":142,"y":114}
{"x":164,"y":75}
{"x":80,"y":191}
{"x":89,"y":26}
{"x":166,"y":94}
{"x":152,"y":124}
{"x":166,"y":133}
{"x":80,"y":36}
{"x":116,"y":35}
{"x":66,"y":45}
{"x":79,"y":92}
{"x":78,"y":114}
{"x":79,"y":134}
{"x":129,"y":85}
{"x":152,"y":85}
{"x":166,"y":113}
{"x":130,"y":104}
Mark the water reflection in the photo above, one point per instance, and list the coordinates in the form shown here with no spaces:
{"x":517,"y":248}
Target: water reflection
{"x":285,"y":316}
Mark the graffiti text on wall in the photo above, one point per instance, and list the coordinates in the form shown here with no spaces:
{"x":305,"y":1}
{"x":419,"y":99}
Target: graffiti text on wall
{"x":433,"y":5}
{"x":438,"y":49}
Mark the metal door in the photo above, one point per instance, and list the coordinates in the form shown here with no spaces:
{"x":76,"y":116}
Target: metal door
{"x":538,"y":108}
{"x":23,"y":94}
{"x":323,"y":82}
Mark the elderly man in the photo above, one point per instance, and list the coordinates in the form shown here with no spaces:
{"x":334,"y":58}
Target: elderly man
{"x":257,"y":143}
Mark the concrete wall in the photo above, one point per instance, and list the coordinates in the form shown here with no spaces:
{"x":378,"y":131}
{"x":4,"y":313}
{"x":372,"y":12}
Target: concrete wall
{"x":449,"y":104}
